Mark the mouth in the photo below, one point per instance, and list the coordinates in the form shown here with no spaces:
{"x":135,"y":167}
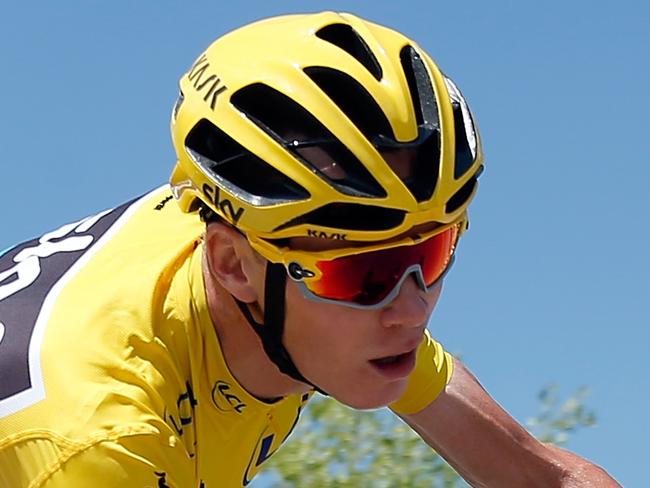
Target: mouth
{"x":395,"y":367}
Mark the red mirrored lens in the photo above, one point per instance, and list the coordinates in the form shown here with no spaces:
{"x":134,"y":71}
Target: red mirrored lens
{"x":367,"y":278}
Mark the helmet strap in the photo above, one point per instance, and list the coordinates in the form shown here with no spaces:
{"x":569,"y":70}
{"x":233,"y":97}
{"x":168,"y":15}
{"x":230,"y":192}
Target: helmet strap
{"x":270,"y":331}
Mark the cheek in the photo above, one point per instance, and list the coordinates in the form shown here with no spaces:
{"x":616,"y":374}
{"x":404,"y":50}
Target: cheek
{"x":306,"y":321}
{"x":319,"y":330}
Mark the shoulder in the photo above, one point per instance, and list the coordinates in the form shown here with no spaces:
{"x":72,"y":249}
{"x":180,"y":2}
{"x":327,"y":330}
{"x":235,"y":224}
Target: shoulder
{"x":432,"y":373}
{"x":64,"y":292}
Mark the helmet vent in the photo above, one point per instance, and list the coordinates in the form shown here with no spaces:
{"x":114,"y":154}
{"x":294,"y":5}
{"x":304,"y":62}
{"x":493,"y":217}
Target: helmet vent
{"x":464,"y":156}
{"x":422,"y":94}
{"x":461,"y":197}
{"x":346,"y":38}
{"x":424,"y":177}
{"x":177,"y":106}
{"x":237,"y":170}
{"x":465,"y":131}
{"x":349,"y":216}
{"x":353,"y":99}
{"x":307,"y":139}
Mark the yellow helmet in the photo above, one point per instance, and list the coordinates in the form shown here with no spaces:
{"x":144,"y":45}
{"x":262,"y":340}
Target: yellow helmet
{"x":258,"y":101}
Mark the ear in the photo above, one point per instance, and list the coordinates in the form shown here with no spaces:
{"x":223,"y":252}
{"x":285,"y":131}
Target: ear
{"x":233,"y":263}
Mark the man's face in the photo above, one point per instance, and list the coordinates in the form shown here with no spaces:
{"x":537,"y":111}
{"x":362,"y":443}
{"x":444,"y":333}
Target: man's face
{"x":360,"y":357}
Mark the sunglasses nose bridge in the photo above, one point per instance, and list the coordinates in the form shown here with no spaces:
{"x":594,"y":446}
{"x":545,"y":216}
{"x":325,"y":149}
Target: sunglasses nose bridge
{"x":414,"y":271}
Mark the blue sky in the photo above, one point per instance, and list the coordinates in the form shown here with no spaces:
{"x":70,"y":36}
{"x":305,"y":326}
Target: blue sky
{"x":551,"y":283}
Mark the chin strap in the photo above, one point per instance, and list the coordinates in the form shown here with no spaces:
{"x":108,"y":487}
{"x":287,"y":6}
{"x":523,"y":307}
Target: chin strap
{"x":270,"y":331}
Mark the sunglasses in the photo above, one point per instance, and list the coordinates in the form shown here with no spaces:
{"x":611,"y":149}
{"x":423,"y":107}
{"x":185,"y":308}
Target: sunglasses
{"x":368,"y":277}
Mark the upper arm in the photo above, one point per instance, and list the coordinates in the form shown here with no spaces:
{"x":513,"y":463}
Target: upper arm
{"x":486,"y":445}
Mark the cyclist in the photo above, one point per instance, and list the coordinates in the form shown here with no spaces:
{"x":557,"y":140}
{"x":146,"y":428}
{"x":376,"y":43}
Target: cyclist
{"x":331,"y":164}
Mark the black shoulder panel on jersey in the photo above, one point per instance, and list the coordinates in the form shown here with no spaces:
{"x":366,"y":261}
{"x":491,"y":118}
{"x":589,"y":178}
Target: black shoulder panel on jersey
{"x":31,"y":275}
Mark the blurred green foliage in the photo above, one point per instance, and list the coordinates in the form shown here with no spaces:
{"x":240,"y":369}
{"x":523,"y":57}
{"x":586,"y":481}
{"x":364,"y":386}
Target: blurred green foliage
{"x":335,"y":446}
{"x":558,"y":419}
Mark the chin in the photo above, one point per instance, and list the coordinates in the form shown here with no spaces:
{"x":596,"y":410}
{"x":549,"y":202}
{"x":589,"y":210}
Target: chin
{"x":371,"y":397}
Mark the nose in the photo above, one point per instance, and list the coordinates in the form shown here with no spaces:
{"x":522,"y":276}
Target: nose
{"x":411,"y":307}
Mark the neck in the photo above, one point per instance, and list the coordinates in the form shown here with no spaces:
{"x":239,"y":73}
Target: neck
{"x":242,"y":347}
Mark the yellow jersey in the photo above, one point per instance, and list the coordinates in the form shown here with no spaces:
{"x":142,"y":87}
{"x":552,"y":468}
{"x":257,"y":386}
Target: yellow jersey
{"x":111,"y":373}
